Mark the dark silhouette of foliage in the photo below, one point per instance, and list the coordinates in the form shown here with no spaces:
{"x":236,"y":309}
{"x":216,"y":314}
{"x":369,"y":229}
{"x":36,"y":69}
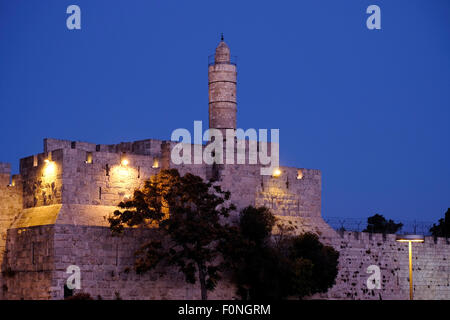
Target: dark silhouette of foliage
{"x":378,"y":224}
{"x":442,"y":229}
{"x":324,"y":260}
{"x":256,"y":223}
{"x":188,"y":216}
{"x":265,"y":268}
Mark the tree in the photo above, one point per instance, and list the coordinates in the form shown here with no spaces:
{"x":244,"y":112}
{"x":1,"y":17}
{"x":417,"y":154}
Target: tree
{"x":323,"y":259}
{"x":442,"y":229}
{"x":378,"y":224}
{"x":188,"y":216}
{"x":276,"y":267}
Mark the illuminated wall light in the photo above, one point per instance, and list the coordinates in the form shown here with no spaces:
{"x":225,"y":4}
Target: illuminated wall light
{"x":88,"y":157}
{"x":123,"y":160}
{"x":276,"y":172}
{"x":155,"y":163}
{"x":121,"y":171}
{"x":50,"y":168}
{"x":299,"y":174}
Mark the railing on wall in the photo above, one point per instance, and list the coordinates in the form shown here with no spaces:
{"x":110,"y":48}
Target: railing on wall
{"x":359,"y":225}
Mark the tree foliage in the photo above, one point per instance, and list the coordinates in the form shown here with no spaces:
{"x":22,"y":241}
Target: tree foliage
{"x":267,"y":267}
{"x":188,"y":215}
{"x":378,"y":224}
{"x":442,"y":229}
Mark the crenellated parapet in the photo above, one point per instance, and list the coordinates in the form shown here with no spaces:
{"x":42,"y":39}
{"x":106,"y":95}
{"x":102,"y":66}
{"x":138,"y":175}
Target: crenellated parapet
{"x":360,"y":250}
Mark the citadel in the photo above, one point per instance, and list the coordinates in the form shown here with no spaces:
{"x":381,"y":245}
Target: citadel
{"x":53,"y":214}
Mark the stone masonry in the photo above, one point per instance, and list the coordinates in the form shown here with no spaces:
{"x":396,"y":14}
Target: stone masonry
{"x":54,"y":214}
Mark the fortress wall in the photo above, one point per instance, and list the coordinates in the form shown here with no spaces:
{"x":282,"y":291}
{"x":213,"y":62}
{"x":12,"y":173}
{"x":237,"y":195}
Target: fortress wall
{"x":431,"y":267}
{"x":5,"y":174}
{"x":106,"y":264}
{"x":144,"y":147}
{"x":242,"y":182}
{"x":148,"y":147}
{"x":10,"y":206}
{"x":104,"y":181}
{"x":28,"y":265}
{"x":71,"y":196}
{"x":42,"y":182}
{"x":56,"y":144}
{"x":287,"y":195}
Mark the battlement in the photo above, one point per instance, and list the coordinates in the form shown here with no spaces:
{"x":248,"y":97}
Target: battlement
{"x":92,"y":174}
{"x":346,"y":236}
{"x":150,"y":147}
{"x":5,"y":173}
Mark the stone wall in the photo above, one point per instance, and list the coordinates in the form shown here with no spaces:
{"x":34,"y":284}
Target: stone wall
{"x":28,"y":267}
{"x":105,"y":181}
{"x":296,"y":192}
{"x":38,"y":258}
{"x":144,"y":147}
{"x":431,"y":267}
{"x":37,"y":269}
{"x":109,"y":271}
{"x":10,"y":206}
{"x":5,"y":174}
{"x":42,"y":179}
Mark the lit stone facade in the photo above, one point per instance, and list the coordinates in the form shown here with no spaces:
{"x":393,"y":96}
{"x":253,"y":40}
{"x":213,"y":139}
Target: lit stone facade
{"x":54,"y":214}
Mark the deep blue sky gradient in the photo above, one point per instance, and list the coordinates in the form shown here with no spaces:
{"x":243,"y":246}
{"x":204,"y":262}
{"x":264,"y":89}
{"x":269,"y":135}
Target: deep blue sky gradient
{"x":371,"y":109}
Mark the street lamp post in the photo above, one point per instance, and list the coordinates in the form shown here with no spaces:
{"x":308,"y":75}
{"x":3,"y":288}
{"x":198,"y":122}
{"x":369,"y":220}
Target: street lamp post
{"x":410,"y":238}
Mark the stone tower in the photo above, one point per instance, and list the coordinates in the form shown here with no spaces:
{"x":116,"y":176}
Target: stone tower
{"x":222,"y":89}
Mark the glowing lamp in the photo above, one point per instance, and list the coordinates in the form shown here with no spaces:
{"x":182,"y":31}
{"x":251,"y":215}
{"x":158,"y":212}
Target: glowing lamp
{"x":410,"y":238}
{"x":124,"y":162}
{"x":276,"y":172}
{"x":155,"y":164}
{"x":49,"y":169}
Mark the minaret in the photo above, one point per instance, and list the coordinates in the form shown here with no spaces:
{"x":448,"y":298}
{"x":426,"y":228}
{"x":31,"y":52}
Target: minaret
{"x":222,"y":89}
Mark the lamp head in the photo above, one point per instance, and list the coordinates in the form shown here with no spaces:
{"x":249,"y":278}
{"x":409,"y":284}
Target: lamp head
{"x":410,"y":238}
{"x":276,"y":172}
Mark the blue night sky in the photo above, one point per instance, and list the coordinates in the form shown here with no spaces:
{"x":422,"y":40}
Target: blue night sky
{"x":370,"y":108}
